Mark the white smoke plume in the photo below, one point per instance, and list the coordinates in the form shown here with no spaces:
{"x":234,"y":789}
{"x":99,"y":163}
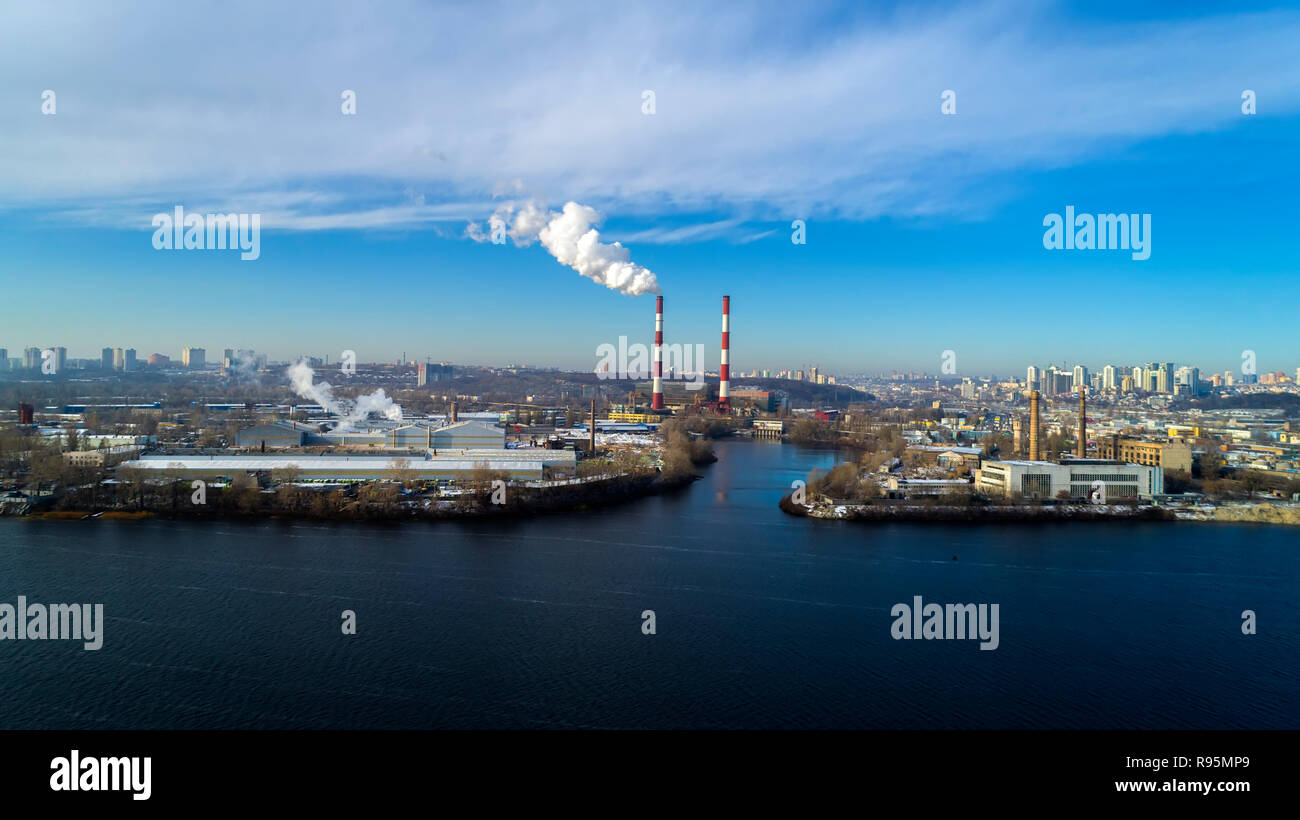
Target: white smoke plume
{"x":303,"y":379}
{"x":570,"y":237}
{"x":243,"y":368}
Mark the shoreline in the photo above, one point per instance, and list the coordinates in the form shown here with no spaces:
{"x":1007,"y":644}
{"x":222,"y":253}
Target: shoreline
{"x":1025,"y":514}
{"x":527,"y":502}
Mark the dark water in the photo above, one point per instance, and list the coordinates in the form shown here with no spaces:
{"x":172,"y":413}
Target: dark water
{"x":762,"y":620}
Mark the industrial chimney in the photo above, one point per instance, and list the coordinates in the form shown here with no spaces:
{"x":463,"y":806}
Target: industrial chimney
{"x":1017,"y":435}
{"x":1034,"y":427}
{"x":1081,"y":448}
{"x":454,"y":416}
{"x":724,"y":372}
{"x":657,"y":395}
{"x":591,"y":440}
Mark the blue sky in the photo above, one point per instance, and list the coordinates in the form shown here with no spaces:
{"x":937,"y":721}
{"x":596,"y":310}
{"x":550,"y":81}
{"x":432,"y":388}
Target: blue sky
{"x":924,"y":231}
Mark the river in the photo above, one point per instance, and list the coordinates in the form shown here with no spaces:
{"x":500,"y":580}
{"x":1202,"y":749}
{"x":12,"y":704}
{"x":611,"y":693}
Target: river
{"x":761,"y":620}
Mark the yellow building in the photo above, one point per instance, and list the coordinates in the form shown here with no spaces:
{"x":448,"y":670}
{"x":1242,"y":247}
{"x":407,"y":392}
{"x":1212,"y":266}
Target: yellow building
{"x":1170,"y":455}
{"x":636,"y":416}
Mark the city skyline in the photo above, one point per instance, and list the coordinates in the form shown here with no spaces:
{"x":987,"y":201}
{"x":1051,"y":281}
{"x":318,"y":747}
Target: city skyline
{"x":1151,"y":376}
{"x":921,"y":222}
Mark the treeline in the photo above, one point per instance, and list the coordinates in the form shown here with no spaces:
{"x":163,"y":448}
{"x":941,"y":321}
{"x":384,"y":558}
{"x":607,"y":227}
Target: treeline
{"x":243,"y":497}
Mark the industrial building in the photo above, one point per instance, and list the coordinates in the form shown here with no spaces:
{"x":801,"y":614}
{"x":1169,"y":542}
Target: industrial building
{"x":636,"y":415}
{"x":896,"y":487}
{"x":951,"y":458}
{"x":463,"y":435}
{"x":532,"y":465}
{"x":1045,"y":480}
{"x":274,"y":436}
{"x":764,"y":401}
{"x":1169,"y":455}
{"x":678,"y":393}
{"x":422,"y":450}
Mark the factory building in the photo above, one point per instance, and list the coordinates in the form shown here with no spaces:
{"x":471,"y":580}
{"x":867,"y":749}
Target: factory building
{"x":636,"y":415}
{"x":530,"y":465}
{"x":274,"y":436}
{"x":1169,"y":455}
{"x":1045,"y":479}
{"x":464,"y":435}
{"x":764,"y":401}
{"x":679,"y":393}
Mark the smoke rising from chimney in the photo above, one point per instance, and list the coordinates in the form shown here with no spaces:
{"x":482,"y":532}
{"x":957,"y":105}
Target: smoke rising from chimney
{"x":570,"y":236}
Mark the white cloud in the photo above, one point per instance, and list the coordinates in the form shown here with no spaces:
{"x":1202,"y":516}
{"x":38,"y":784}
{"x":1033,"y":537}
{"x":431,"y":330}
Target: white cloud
{"x":762,"y":113}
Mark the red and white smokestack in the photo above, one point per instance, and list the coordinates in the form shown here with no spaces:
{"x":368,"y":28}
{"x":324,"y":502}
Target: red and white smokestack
{"x":724,"y":372}
{"x":657,"y":397}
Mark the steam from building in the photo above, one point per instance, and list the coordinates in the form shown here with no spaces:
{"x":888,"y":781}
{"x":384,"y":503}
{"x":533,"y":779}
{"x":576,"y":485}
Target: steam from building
{"x":570,"y":236}
{"x":350,"y":413}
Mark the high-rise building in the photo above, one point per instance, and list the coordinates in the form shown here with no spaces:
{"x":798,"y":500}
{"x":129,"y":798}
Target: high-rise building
{"x":106,"y":359}
{"x":1080,"y":377}
{"x":421,"y":375}
{"x":1228,"y":378}
{"x":31,"y":358}
{"x":1151,"y":379}
{"x":1031,"y":378}
{"x":128,"y":359}
{"x":4,"y":360}
{"x":60,"y":359}
{"x":1108,"y":377}
{"x":1165,"y":377}
{"x":193,"y":357}
{"x":119,"y":358}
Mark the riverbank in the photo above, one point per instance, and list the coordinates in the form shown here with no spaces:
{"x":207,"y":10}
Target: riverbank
{"x":356,"y":504}
{"x":1246,"y":513}
{"x":950,"y":514}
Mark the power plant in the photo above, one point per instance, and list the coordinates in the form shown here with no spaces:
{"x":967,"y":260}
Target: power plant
{"x":676,"y":393}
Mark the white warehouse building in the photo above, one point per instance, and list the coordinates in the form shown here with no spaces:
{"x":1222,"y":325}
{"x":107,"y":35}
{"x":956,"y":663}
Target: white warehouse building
{"x":1046,"y":479}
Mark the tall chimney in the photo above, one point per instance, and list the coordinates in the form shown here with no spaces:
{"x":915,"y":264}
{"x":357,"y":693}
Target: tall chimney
{"x":724,"y":372}
{"x":454,"y":416}
{"x":1033,"y":426}
{"x":1017,"y":435}
{"x":591,"y":440}
{"x":657,"y":395}
{"x":1081,"y":448}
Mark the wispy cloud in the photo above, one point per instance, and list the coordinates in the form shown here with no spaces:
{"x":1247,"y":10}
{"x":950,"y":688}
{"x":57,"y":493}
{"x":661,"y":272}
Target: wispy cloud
{"x":760,"y":114}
